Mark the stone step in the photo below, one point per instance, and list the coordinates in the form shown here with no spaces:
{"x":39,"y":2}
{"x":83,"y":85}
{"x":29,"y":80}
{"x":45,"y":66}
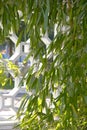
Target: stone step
{"x":8,"y":115}
{"x":8,"y":125}
{"x":8,"y":119}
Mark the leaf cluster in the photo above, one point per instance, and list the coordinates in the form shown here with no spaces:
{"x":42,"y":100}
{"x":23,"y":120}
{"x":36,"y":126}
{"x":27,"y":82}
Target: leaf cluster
{"x":59,"y":82}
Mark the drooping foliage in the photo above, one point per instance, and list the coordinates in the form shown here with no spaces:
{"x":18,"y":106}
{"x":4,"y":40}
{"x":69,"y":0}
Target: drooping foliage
{"x":59,"y":100}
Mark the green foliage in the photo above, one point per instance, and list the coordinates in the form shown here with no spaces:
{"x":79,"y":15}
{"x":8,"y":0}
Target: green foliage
{"x":9,"y":84}
{"x":3,"y":78}
{"x":5,"y":68}
{"x":67,"y":68}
